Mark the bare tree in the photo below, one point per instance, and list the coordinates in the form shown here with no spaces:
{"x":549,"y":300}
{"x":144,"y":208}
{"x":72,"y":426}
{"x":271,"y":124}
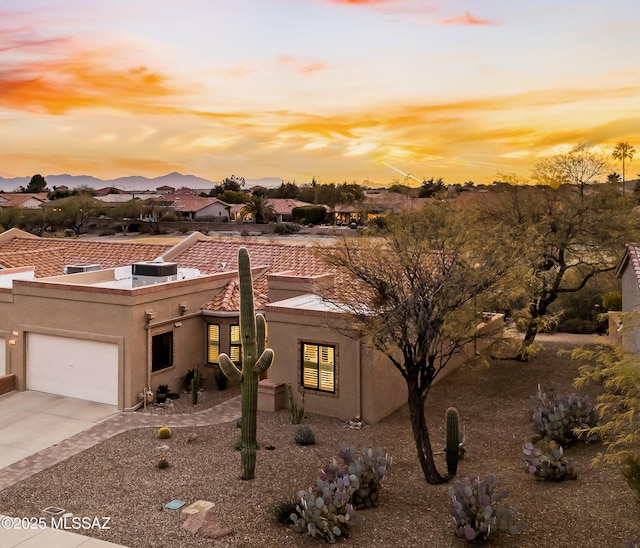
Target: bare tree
{"x":580,"y":166}
{"x":416,"y":297}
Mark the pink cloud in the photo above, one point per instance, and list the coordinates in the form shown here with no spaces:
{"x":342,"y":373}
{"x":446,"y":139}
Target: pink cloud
{"x":301,"y":64}
{"x":467,"y":19}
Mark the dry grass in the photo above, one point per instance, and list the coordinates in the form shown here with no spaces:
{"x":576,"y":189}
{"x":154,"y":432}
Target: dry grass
{"x":118,"y":479}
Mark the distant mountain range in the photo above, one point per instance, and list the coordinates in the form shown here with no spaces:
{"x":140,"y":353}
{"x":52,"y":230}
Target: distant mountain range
{"x":176,"y":180}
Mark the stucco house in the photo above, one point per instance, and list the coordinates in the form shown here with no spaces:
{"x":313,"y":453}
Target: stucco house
{"x":23,"y":200}
{"x":102,"y":320}
{"x":628,"y":271}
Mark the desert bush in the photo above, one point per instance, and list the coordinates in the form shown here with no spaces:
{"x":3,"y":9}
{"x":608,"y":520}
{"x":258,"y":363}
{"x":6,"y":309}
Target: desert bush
{"x":305,"y":436}
{"x":631,"y":474}
{"x":283,"y":510}
{"x":286,"y":228}
{"x":295,"y":412}
{"x":612,"y":300}
{"x":562,"y":418}
{"x":550,"y":464}
{"x":475,"y":512}
{"x":578,"y":325}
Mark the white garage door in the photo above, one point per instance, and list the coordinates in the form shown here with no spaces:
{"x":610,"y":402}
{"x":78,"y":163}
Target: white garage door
{"x":3,"y":356}
{"x":77,"y":368}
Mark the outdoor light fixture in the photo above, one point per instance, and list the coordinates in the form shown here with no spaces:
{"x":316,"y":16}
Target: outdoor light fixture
{"x":177,"y":324}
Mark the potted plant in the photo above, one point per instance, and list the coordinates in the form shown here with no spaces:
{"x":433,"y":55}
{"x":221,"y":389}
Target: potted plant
{"x":161,"y":393}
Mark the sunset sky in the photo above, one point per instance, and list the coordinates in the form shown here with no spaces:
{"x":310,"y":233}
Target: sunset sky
{"x":343,"y":90}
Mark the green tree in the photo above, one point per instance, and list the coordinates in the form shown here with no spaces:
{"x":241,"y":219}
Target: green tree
{"x":38,"y":220}
{"x":566,"y":237}
{"x":36,"y":184}
{"x":285,"y":190}
{"x":10,"y":217}
{"x":623,"y":151}
{"x":75,"y":211}
{"x":128,"y":212}
{"x":431,"y":188}
{"x":416,"y":296}
{"x":259,"y":208}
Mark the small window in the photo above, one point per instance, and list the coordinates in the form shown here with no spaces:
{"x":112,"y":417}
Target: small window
{"x":162,"y":351}
{"x":235,"y":344}
{"x":213,"y":343}
{"x":318,"y":367}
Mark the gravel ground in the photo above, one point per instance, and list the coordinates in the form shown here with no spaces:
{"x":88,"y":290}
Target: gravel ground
{"x":118,"y":478}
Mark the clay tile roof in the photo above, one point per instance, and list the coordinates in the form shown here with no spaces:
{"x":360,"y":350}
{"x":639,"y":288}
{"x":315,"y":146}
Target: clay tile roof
{"x":632,"y":257}
{"x":208,"y":256}
{"x":227,"y":299}
{"x":50,"y":255}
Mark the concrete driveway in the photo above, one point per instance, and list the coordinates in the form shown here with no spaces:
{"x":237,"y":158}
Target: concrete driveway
{"x":31,"y":421}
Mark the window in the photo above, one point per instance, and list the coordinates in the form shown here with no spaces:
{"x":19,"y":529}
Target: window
{"x":162,"y":351}
{"x":318,"y":367}
{"x":235,"y":344}
{"x":213,"y":343}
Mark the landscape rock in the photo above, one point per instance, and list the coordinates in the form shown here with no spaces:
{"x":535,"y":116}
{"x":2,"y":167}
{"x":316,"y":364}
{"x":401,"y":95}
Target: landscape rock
{"x":206,"y":525}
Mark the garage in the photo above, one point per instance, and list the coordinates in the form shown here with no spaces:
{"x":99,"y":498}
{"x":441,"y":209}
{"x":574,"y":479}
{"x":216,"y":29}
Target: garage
{"x":3,"y":356}
{"x":77,"y":368}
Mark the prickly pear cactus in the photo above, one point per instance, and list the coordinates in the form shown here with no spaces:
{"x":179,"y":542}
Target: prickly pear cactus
{"x":256,"y":359}
{"x":453,"y":440}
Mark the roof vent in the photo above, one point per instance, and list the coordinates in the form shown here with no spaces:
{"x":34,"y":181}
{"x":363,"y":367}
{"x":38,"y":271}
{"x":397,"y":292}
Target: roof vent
{"x":150,"y":273}
{"x":75,"y":268}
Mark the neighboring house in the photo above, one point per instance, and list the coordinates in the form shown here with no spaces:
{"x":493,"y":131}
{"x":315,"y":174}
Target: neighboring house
{"x":23,"y":200}
{"x":127,"y":316}
{"x":283,"y":208}
{"x":197,"y":208}
{"x":629,"y":273}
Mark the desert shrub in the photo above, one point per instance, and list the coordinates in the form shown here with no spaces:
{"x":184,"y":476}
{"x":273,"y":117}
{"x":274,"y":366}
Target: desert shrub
{"x":68,"y":233}
{"x":550,"y":464}
{"x":475,"y":512}
{"x":305,"y":436}
{"x":562,"y":418}
{"x":631,"y":474}
{"x":578,"y":325}
{"x":296,"y":412}
{"x":618,"y":372}
{"x":314,"y":214}
{"x":221,"y":379}
{"x":612,"y":300}
{"x":286,"y":228}
{"x":169,"y":217}
{"x":283,"y":510}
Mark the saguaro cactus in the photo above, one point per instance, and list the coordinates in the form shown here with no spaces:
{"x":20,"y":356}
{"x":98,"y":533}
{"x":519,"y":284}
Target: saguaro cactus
{"x":256,"y":359}
{"x":452,"y":420}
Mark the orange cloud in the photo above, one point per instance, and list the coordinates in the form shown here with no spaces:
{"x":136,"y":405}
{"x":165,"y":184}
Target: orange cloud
{"x":467,"y":19}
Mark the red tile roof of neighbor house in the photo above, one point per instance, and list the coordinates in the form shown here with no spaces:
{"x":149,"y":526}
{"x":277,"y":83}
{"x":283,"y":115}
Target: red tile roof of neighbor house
{"x":284,"y":206}
{"x":16,"y":199}
{"x":188,"y":202}
{"x":50,"y":255}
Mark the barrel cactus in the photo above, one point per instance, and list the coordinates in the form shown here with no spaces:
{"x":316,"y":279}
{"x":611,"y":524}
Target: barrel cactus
{"x":256,"y":359}
{"x":164,"y":433}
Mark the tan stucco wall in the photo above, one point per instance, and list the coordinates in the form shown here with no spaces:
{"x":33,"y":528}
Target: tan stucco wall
{"x":366,"y":386}
{"x":117,"y":316}
{"x":630,"y":306}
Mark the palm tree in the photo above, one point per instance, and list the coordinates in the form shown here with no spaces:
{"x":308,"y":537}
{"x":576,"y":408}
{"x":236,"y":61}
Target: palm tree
{"x":622,"y":151}
{"x":259,"y":208}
